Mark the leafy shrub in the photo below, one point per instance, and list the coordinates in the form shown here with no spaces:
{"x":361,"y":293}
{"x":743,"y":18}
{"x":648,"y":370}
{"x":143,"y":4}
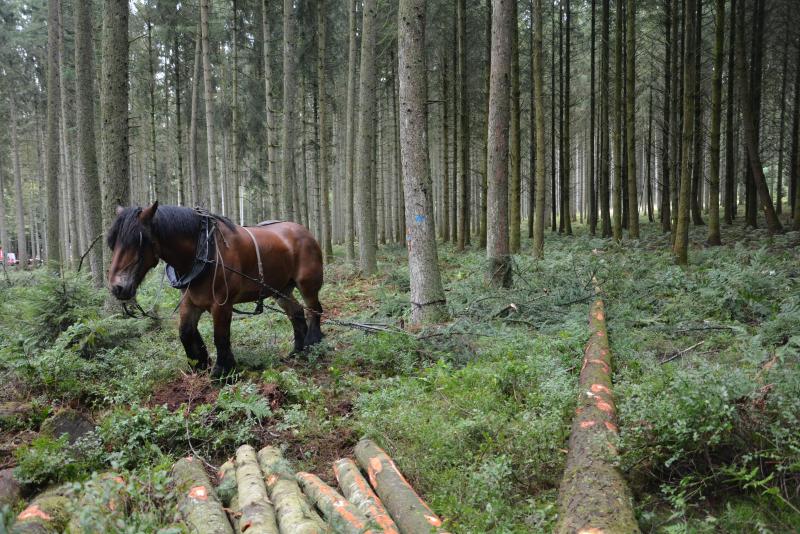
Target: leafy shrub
{"x":47,"y":460}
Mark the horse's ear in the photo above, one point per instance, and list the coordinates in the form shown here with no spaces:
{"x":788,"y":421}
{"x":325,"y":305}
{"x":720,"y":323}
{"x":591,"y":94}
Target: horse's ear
{"x":120,"y":209}
{"x":147,"y":214}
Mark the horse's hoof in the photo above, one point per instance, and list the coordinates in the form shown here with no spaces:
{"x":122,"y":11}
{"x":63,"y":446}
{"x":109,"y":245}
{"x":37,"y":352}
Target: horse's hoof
{"x":220,"y":372}
{"x":198,"y":365}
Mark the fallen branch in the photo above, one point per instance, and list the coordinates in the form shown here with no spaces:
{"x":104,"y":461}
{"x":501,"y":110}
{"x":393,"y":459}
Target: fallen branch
{"x":294,"y":513}
{"x":681,"y":353}
{"x":356,"y":488}
{"x":198,"y":503}
{"x":341,"y":514}
{"x":47,"y":513}
{"x":594,"y":496}
{"x":258,"y":514}
{"x":406,"y":507}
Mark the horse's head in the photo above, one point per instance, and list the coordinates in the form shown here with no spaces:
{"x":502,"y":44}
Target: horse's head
{"x":133,"y":250}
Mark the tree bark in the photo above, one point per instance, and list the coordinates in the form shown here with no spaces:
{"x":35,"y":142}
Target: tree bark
{"x":566,"y":191}
{"x":681,"y":247}
{"x":781,"y":127}
{"x":53,"y":152}
{"x":699,"y":133}
{"x":515,"y":219}
{"x":538,"y":85}
{"x":256,"y":509}
{"x":22,"y":246}
{"x":365,"y":142}
{"x":208,"y":83}
{"x":288,"y":209}
{"x":87,"y":152}
{"x":497,"y":239}
{"x":269,"y":102}
{"x":592,"y":114}
{"x":630,"y":110}
{"x":357,"y":490}
{"x":427,"y":293}
{"x":618,"y":125}
{"x":463,"y":128}
{"x":324,"y":146}
{"x":194,"y":182}
{"x":729,"y":199}
{"x":716,"y":116}
{"x":666,"y":131}
{"x":340,"y":513}
{"x":198,"y":503}
{"x":605,"y":164}
{"x":350,"y":117}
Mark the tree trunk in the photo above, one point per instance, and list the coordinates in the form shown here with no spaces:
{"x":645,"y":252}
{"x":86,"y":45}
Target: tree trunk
{"x":53,"y":152}
{"x":794,"y":176}
{"x":729,"y":200}
{"x":566,"y":191}
{"x":324,"y":149}
{"x":751,"y":187}
{"x":445,"y":150}
{"x":208,"y":84}
{"x":592,"y":113}
{"x":485,"y":132}
{"x":269,"y":102}
{"x":427,"y":294}
{"x":357,"y":490}
{"x":666,"y":131}
{"x":751,"y":140}
{"x":716,"y":108}
{"x":256,"y":509}
{"x":497,"y":239}
{"x":463,"y":128}
{"x":782,"y":126}
{"x":618,"y":125}
{"x":22,"y":246}
{"x":350,"y":117}
{"x":340,"y":513}
{"x":649,"y":155}
{"x":515,"y":219}
{"x":605,"y":164}
{"x":288,"y":209}
{"x":364,"y":143}
{"x":198,"y":503}
{"x":158,"y":182}
{"x":630,"y":110}
{"x":87,"y":152}
{"x":699,"y":133}
{"x":176,"y":67}
{"x":681,"y":247}
{"x":538,"y":85}
{"x":194,"y":182}
{"x":294,"y":513}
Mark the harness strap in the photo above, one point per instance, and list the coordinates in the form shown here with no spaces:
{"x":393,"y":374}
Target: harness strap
{"x":261,"y":292}
{"x":258,"y":253}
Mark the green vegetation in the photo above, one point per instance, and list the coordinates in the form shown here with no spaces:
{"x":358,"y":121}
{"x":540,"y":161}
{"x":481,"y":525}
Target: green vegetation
{"x":476,"y":412}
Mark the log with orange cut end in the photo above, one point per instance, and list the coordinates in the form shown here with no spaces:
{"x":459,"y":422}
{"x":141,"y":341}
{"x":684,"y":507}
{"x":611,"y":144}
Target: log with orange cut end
{"x":47,"y":513}
{"x":409,"y":511}
{"x":358,"y":491}
{"x":198,"y":504}
{"x":340,"y":513}
{"x":594,"y":498}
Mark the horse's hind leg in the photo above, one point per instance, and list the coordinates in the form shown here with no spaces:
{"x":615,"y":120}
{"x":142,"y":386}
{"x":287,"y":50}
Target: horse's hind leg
{"x":190,"y":338}
{"x":294,"y":311}
{"x":310,"y":292}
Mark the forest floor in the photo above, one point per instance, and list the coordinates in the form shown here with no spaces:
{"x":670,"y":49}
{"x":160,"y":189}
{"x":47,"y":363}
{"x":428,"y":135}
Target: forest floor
{"x":476,"y":412}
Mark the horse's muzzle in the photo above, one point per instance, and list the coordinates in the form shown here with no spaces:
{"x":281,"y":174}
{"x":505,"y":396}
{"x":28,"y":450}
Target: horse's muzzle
{"x":123,"y":292}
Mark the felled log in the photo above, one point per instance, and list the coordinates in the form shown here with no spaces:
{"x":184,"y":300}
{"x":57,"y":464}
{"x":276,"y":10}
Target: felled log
{"x":114,"y":501}
{"x":48,"y":513}
{"x":258,"y":514}
{"x":356,"y":488}
{"x":198,"y":503}
{"x":226,"y":482}
{"x":340,"y":513}
{"x":594,"y":496}
{"x":295,"y":514}
{"x":409,"y":511}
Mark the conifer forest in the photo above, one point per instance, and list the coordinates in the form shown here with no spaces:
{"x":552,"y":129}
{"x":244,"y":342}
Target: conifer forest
{"x":469,"y":266}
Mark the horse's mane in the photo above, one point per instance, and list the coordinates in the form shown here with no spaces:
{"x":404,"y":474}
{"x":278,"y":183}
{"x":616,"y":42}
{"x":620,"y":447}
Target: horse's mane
{"x":169,"y":221}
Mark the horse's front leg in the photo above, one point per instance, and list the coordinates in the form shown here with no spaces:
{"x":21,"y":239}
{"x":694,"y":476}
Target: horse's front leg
{"x":222,"y":316}
{"x":190,"y":338}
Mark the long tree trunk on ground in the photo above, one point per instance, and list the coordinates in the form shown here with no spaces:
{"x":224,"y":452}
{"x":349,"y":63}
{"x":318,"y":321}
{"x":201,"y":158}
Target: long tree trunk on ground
{"x":592,"y":113}
{"x":667,"y":125}
{"x":605,"y":164}
{"x":364,"y":143}
{"x":751,"y":139}
{"x":53,"y":152}
{"x":22,"y":246}
{"x":208,"y":83}
{"x":630,"y":110}
{"x":84,"y":96}
{"x":514,"y":216}
{"x":729,"y":198}
{"x":324,"y":148}
{"x":288,"y":209}
{"x":618,"y":124}
{"x":497,"y":239}
{"x":681,"y":247}
{"x":716,"y":108}
{"x":538,"y":86}
{"x":350,"y":117}
{"x":463,"y":129}
{"x":427,"y":294}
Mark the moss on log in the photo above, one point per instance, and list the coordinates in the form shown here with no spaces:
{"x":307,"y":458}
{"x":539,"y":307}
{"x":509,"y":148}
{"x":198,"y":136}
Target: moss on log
{"x":295,"y":514}
{"x":411,"y":514}
{"x":594,"y":497}
{"x":226,"y":482}
{"x":107,"y":495}
{"x":198,"y":503}
{"x":47,"y":513}
{"x":258,"y":514}
{"x":341,"y":514}
{"x":356,"y":488}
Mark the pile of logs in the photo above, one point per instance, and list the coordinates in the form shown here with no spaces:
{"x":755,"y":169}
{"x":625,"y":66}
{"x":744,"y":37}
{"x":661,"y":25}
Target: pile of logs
{"x":260,"y":493}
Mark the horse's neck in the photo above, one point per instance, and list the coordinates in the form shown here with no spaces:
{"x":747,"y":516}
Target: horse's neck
{"x":178,"y":251}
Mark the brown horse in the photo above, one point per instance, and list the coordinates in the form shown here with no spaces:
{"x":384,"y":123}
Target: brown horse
{"x":218,"y":264}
